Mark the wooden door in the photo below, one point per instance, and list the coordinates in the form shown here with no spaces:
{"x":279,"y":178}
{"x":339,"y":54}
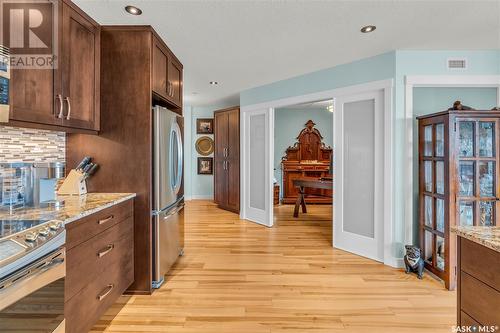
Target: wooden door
{"x":174,"y":82}
{"x":220,"y":175}
{"x":34,"y":93}
{"x":80,"y":70}
{"x":160,"y":64}
{"x":233,"y":160}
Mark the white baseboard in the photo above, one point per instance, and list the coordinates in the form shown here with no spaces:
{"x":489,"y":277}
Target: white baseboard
{"x":394,"y":262}
{"x":199,"y":197}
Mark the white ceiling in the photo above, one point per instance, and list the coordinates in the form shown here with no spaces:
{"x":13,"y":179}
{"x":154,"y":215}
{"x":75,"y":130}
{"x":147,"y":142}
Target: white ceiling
{"x":244,"y":44}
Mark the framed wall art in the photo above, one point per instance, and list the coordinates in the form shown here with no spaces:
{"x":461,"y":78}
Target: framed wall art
{"x":205,"y":165}
{"x":204,"y":126}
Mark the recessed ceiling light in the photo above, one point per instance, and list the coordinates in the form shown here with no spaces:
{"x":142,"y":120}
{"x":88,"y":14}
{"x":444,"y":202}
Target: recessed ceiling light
{"x":368,"y":28}
{"x":133,"y":10}
{"x":214,"y":83}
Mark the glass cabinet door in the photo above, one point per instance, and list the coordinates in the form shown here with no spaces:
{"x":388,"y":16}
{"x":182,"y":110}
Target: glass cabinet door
{"x":477,"y":170}
{"x":433,"y":200}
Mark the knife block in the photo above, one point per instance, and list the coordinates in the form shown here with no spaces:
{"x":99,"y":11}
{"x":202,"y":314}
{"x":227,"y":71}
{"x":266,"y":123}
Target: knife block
{"x":74,"y":184}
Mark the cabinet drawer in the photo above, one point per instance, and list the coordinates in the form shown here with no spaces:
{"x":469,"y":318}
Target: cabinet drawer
{"x":79,"y":231}
{"x":466,"y":320}
{"x":480,"y":262}
{"x":88,"y":260}
{"x":478,"y":300}
{"x":86,"y":307}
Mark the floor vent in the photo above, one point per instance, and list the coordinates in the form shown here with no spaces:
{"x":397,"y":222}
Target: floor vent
{"x":457,"y":63}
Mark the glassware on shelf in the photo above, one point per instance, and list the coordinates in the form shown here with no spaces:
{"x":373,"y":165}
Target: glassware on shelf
{"x":428,"y":211}
{"x":466,"y":178}
{"x":486,"y":178}
{"x":466,"y":210}
{"x":440,"y":253}
{"x":439,"y":140}
{"x":428,"y":256}
{"x":440,"y":177}
{"x":486,"y":139}
{"x":486,"y":213}
{"x":440,"y":215}
{"x":428,"y":140}
{"x":428,"y":175}
{"x":466,"y":138}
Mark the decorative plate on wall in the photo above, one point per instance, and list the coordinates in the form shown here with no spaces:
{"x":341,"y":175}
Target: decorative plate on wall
{"x":204,"y":146}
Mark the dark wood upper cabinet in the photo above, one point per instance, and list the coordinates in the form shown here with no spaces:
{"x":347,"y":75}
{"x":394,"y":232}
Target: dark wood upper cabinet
{"x":160,"y":64}
{"x":227,"y":159}
{"x":65,"y":98}
{"x":167,"y":74}
{"x":80,"y":70}
{"x":33,"y":95}
{"x":174,"y":81}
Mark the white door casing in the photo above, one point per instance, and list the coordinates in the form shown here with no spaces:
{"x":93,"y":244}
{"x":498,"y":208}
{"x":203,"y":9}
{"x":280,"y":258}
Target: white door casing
{"x":359,"y":174}
{"x":382,"y":88}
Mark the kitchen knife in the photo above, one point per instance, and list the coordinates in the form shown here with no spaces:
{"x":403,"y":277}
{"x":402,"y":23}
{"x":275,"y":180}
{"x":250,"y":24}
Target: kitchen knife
{"x":87,"y":168}
{"x":83,"y":163}
{"x":92,"y":169}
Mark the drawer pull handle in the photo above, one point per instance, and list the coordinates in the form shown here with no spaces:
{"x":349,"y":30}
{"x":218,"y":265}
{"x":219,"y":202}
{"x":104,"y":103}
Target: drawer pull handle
{"x":107,"y":219}
{"x":107,"y":291}
{"x":108,"y":249}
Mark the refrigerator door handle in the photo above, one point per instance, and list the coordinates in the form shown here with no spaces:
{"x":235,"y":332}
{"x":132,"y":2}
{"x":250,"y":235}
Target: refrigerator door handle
{"x":177,"y":175}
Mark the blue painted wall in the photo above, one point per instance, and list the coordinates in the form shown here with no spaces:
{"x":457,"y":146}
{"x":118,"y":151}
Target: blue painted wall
{"x":287,"y":125}
{"x":365,"y":70}
{"x":431,"y":100}
{"x":196,"y":186}
{"x":393,"y":65}
{"x":424,"y":63}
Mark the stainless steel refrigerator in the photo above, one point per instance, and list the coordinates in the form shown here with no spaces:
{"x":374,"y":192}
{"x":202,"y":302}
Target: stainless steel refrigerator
{"x":168,"y":182}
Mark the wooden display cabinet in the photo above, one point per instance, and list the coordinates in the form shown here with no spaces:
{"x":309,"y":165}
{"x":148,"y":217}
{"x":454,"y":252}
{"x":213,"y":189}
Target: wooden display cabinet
{"x":458,"y":168}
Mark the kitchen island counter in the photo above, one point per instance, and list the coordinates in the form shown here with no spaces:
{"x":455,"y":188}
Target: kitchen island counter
{"x":478,"y":276}
{"x":486,"y":236}
{"x":73,"y":209}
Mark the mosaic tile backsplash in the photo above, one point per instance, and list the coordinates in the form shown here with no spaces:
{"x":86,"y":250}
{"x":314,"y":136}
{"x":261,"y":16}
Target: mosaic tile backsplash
{"x":31,"y":145}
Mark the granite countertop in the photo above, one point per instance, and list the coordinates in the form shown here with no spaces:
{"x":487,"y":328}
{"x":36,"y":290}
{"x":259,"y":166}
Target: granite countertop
{"x":74,"y":208}
{"x":486,"y":236}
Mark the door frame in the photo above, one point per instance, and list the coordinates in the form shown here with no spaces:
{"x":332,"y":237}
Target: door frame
{"x":430,"y":81}
{"x":269,"y":107}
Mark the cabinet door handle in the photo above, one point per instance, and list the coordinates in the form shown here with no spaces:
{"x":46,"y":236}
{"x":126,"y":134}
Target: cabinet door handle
{"x":105,"y":251}
{"x":69,"y":108}
{"x":107,"y":219}
{"x":227,"y":165}
{"x":105,"y":292}
{"x":61,"y":106}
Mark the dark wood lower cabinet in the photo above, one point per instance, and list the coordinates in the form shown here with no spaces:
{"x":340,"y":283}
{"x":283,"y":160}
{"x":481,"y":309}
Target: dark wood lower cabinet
{"x":227,"y":159}
{"x":99,"y":266}
{"x":478,"y":297}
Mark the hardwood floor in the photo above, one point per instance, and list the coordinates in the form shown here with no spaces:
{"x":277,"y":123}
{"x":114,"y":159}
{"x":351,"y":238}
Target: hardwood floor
{"x":239,"y":277}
